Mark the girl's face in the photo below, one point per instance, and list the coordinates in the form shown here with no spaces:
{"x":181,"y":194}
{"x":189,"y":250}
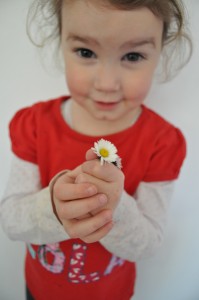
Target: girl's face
{"x":110,"y":57}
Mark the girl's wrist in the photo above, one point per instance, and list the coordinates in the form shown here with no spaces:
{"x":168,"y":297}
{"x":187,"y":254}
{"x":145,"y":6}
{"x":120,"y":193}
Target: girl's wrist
{"x":51,"y":186}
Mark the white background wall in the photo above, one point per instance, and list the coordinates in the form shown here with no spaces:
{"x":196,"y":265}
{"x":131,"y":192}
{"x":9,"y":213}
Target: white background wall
{"x":173,"y":273}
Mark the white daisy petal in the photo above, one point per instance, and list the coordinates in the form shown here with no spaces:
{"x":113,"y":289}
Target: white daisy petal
{"x":106,"y":152}
{"x":119,"y":162}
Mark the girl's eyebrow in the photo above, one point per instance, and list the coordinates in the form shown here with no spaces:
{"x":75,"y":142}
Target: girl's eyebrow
{"x":140,"y":42}
{"x":131,"y":44}
{"x":84,"y":39}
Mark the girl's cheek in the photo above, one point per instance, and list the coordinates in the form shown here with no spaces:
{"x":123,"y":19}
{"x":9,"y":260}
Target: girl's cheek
{"x":76,"y":82}
{"x":138,"y":90}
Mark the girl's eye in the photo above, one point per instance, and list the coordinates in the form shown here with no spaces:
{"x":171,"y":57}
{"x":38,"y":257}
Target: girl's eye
{"x":85,"y":53}
{"x":133,"y":57}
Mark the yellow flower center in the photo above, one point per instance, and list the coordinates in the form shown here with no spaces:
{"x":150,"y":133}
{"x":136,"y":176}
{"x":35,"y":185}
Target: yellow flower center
{"x":104,"y":152}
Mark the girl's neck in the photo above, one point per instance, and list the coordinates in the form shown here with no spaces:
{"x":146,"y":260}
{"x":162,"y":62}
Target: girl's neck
{"x":85,"y":123}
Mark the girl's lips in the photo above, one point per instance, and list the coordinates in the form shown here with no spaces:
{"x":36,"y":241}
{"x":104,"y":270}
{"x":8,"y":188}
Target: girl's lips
{"x":106,"y":105}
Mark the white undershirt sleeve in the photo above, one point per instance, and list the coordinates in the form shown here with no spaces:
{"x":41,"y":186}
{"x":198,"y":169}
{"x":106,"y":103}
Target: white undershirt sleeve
{"x":26,"y":211}
{"x":140,"y":221}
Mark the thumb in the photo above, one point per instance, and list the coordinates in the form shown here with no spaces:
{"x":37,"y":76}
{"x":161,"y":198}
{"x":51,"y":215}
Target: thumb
{"x":90,"y":155}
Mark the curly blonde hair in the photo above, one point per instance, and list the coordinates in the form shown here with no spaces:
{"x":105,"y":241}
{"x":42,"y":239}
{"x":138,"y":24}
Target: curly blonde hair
{"x":47,"y":14}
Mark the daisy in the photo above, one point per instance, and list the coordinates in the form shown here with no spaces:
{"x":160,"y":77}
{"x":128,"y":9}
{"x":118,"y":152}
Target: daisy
{"x":106,"y":152}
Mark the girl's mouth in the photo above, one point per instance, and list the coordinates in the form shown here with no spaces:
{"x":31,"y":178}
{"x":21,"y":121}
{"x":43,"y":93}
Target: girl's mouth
{"x":106,"y":105}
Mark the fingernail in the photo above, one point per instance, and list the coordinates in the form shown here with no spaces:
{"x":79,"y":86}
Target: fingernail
{"x":102,"y":199}
{"x":91,"y":190}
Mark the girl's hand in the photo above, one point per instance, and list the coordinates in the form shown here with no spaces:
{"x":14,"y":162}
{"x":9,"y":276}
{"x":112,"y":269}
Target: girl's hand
{"x":73,"y":203}
{"x":108,"y":179}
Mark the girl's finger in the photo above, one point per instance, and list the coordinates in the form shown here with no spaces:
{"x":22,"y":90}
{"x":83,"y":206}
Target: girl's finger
{"x":90,"y":155}
{"x":87,"y":178}
{"x":77,"y":208}
{"x":98,"y":234}
{"x":71,"y":191}
{"x":85,"y":227}
{"x":107,"y":172}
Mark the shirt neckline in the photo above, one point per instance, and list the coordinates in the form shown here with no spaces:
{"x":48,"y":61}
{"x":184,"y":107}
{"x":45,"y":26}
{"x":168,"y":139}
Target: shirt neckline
{"x":70,"y":131}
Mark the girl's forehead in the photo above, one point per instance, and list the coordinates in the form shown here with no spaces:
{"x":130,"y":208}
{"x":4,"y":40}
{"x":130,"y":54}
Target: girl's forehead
{"x":102,"y":8}
{"x":86,"y":17}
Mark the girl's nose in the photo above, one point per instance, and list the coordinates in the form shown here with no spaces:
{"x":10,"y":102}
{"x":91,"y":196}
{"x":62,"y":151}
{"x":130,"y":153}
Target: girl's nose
{"x":107,"y":79}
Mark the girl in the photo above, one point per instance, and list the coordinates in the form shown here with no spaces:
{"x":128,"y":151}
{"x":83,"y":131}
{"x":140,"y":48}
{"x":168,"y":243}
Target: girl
{"x":87,"y":223}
